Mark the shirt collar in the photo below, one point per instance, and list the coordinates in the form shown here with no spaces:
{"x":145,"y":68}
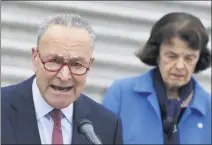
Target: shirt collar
{"x":42,"y":108}
{"x":68,"y":112}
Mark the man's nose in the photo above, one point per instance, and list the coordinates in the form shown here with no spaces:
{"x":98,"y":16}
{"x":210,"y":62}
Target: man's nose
{"x":64,"y":73}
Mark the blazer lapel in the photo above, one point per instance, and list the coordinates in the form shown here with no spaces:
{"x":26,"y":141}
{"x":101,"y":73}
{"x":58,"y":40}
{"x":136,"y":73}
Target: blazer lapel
{"x":22,"y":115}
{"x":81,"y":111}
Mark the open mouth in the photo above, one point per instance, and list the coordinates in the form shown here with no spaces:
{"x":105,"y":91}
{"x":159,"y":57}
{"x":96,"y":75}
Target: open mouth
{"x":62,"y":89}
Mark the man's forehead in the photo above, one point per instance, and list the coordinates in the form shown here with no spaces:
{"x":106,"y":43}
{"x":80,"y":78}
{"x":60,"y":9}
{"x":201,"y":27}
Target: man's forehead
{"x":67,"y":33}
{"x":66,"y":37}
{"x":69,"y":57}
{"x":57,"y":46}
{"x":66,"y":42}
{"x":58,"y":43}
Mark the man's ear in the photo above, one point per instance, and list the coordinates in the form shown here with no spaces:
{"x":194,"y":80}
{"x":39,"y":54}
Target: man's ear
{"x":92,"y":58}
{"x":34,"y":55}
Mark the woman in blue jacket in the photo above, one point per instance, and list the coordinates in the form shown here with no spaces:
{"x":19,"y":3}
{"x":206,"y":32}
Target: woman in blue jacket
{"x":166,"y":104}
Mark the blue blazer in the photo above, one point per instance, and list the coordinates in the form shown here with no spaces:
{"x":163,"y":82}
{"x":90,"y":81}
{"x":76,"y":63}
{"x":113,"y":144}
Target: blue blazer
{"x":19,"y":125}
{"x":134,"y":100}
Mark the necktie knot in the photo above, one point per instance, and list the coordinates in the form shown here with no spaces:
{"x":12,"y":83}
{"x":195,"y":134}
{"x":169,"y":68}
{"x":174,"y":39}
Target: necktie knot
{"x":56,"y":115}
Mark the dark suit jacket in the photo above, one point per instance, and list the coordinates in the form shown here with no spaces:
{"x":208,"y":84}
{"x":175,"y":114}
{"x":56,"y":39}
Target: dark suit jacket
{"x":19,"y":125}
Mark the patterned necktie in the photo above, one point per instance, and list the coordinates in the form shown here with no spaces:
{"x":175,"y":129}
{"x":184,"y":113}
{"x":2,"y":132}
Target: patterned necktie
{"x":57,"y":137}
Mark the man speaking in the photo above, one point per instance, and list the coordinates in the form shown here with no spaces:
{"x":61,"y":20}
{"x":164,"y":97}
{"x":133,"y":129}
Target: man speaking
{"x":49,"y":107}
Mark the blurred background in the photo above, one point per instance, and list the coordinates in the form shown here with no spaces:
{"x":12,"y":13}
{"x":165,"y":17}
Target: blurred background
{"x":122,"y":27}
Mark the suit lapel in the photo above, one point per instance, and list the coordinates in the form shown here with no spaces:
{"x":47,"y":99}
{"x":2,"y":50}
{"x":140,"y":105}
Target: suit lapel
{"x":22,"y":115}
{"x":81,"y":111}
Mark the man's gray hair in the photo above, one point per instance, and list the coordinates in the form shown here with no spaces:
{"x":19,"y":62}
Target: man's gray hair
{"x":72,"y":20}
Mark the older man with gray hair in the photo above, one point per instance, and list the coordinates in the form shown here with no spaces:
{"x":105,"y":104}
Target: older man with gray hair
{"x":49,"y":107}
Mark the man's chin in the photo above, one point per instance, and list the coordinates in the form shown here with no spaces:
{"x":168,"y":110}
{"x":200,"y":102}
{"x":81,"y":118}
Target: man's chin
{"x":59,"y":102}
{"x":59,"y":105}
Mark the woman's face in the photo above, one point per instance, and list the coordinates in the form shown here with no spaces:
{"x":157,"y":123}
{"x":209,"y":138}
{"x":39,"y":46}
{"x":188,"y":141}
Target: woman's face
{"x":177,"y":62}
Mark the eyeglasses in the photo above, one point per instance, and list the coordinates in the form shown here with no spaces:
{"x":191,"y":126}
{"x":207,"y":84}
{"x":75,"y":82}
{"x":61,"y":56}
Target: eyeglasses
{"x":54,"y":65}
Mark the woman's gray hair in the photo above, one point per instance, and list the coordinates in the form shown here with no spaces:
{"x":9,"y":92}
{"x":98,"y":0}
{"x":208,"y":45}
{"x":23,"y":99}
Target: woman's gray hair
{"x":72,"y":20}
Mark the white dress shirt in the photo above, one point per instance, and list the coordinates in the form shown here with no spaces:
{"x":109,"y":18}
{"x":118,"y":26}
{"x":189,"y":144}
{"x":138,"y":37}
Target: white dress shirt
{"x":45,"y":122}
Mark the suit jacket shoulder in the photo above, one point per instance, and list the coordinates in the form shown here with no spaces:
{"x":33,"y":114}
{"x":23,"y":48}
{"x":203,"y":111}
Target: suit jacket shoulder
{"x":99,"y":109}
{"x":106,"y":124}
{"x":19,"y":124}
